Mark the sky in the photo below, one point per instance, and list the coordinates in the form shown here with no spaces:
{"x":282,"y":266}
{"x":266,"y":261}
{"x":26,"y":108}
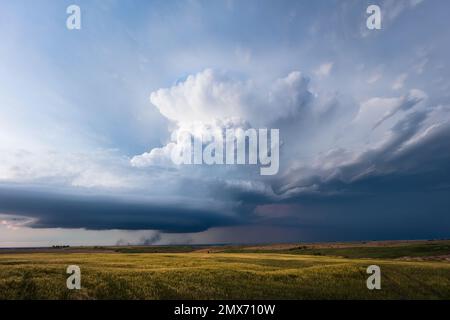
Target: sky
{"x":88,"y":119}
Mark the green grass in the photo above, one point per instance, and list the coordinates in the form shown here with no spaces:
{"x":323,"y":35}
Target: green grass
{"x":217,"y":276}
{"x":381,"y":252}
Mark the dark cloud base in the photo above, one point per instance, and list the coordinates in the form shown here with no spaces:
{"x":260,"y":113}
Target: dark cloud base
{"x":53,"y":210}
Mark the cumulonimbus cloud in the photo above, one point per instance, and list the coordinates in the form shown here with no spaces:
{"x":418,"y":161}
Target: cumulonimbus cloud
{"x":366,"y":139}
{"x":330,"y":148}
{"x":210,"y":101}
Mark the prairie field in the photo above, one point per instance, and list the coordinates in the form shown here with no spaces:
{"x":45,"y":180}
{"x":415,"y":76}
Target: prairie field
{"x":296,"y":272}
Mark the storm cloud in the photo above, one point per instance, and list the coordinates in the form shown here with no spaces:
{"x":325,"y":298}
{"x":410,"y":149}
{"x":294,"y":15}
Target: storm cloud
{"x":364,"y":119}
{"x":56,"y":210}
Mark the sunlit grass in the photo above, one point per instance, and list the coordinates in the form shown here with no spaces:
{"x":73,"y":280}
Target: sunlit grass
{"x":216,"y":276}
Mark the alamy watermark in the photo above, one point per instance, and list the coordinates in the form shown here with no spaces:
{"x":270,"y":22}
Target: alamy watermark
{"x":73,"y":21}
{"x":74,"y":280}
{"x":373,"y":22}
{"x":374,"y":280}
{"x":234,"y":146}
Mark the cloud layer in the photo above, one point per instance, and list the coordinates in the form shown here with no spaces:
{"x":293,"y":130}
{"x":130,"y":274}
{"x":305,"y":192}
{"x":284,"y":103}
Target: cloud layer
{"x":363,"y":118}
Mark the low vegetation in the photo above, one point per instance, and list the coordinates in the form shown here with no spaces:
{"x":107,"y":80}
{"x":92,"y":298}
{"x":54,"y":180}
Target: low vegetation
{"x":295,"y":273}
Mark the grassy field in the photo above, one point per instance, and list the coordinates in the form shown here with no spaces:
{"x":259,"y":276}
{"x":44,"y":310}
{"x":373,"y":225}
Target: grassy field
{"x":281,"y":273}
{"x":399,"y":250}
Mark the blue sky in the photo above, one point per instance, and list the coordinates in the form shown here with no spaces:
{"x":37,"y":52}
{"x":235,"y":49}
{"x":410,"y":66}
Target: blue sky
{"x":87,"y":117}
